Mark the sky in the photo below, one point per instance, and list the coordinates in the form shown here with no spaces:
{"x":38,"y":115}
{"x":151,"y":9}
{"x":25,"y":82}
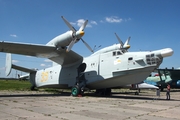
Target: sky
{"x":152,"y":25}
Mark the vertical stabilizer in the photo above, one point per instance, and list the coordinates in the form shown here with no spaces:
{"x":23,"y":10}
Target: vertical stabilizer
{"x":8,"y":64}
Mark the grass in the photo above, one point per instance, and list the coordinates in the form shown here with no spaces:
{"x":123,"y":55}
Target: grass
{"x":25,"y":86}
{"x":14,"y":85}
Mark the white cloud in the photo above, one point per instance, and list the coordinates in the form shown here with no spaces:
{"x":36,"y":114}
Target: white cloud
{"x":127,"y":19}
{"x":42,"y":65}
{"x":101,"y":21}
{"x":15,"y":61}
{"x":72,"y":23}
{"x":80,"y":22}
{"x":114,"y":19}
{"x":45,"y":65}
{"x":13,"y":35}
{"x":93,"y":22}
{"x":47,"y":60}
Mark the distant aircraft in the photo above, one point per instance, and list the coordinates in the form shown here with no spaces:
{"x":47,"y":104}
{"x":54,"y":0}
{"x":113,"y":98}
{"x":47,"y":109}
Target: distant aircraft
{"x":141,"y":86}
{"x":159,"y":79}
{"x":107,"y":68}
{"x":175,"y":76}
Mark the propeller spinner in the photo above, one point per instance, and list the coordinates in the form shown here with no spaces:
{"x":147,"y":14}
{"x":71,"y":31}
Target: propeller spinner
{"x":122,"y":45}
{"x":77,"y":35}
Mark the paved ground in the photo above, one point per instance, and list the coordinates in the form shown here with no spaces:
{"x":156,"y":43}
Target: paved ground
{"x":27,"y":105}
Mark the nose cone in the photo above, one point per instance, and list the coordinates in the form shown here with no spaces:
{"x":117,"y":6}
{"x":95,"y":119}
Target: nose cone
{"x":126,"y":46}
{"x":79,"y":34}
{"x":167,"y":52}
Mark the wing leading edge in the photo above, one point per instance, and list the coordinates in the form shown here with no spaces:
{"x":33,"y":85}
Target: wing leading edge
{"x":59,"y":56}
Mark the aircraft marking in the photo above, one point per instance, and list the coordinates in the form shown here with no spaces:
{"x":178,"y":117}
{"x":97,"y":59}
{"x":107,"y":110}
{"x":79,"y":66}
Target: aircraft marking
{"x":117,"y":61}
{"x":44,"y":76}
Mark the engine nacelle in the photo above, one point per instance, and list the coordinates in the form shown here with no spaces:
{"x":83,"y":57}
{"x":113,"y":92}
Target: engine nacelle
{"x":62,"y":40}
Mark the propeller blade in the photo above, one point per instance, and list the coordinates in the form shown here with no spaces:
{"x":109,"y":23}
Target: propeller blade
{"x":70,"y":45}
{"x":69,"y":25}
{"x":121,"y":43}
{"x":87,"y":45}
{"x":127,"y":41}
{"x":76,"y":34}
{"x":83,"y":26}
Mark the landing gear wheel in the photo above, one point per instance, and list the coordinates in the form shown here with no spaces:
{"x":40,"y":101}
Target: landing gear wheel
{"x":32,"y":88}
{"x":75,"y":91}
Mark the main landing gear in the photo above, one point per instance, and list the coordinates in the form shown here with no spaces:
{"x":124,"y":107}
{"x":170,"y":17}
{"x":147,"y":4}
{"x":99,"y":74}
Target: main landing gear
{"x":79,"y":87}
{"x":75,"y":91}
{"x":32,"y":88}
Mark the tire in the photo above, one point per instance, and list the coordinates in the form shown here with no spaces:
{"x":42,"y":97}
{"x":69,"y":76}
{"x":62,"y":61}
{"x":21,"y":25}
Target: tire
{"x":32,"y":88}
{"x":75,"y":91}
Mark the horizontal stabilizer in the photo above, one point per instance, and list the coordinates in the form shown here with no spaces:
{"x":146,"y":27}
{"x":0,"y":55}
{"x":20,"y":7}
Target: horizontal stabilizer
{"x":9,"y":66}
{"x":23,"y":69}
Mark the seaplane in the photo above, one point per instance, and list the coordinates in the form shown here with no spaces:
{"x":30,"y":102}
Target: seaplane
{"x":107,"y":68}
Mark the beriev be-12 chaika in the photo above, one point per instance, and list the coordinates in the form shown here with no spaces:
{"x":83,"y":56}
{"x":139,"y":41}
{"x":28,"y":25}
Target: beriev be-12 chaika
{"x":106,"y":68}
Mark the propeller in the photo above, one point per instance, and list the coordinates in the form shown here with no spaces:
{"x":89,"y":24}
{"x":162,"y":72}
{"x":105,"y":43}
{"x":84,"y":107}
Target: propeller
{"x":122,"y":45}
{"x":77,"y":35}
{"x":126,"y":45}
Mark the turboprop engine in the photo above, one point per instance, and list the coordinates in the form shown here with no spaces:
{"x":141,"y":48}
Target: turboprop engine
{"x":69,"y":38}
{"x":124,"y":46}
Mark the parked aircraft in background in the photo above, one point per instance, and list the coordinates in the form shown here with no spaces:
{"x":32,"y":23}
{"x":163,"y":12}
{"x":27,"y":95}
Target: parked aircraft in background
{"x":164,"y":77}
{"x":159,"y":79}
{"x":175,"y":76}
{"x":141,"y":86}
{"x":107,"y":68}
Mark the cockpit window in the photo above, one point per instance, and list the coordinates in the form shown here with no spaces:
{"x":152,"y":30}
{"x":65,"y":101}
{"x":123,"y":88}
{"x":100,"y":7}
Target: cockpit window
{"x":147,"y":56}
{"x":118,"y":53}
{"x":114,"y":53}
{"x":130,"y":58}
{"x":152,"y":55}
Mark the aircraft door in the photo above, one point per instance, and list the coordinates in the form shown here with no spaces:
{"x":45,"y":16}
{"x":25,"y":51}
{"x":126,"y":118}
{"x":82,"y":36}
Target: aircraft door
{"x":106,"y":62}
{"x":131,"y":62}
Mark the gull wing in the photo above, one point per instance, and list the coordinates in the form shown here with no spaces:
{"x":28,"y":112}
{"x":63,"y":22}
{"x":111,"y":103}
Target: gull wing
{"x":59,"y":56}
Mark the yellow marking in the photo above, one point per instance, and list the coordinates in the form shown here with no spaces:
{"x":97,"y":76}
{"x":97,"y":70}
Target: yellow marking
{"x":44,"y":76}
{"x":118,"y":60}
{"x":128,"y":46}
{"x":81,"y":33}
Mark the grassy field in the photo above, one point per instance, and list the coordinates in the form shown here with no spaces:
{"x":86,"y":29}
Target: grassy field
{"x":25,"y":86}
{"x":14,"y":85}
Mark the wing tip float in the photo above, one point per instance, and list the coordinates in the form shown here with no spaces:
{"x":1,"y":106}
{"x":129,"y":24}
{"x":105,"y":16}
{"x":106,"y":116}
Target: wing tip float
{"x":8,"y":64}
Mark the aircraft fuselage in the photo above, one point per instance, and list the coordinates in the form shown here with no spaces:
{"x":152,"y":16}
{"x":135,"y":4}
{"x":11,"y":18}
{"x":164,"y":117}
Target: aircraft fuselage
{"x":103,"y":70}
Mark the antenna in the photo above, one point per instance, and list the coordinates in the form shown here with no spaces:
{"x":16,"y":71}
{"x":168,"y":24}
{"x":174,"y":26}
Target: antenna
{"x":95,"y":47}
